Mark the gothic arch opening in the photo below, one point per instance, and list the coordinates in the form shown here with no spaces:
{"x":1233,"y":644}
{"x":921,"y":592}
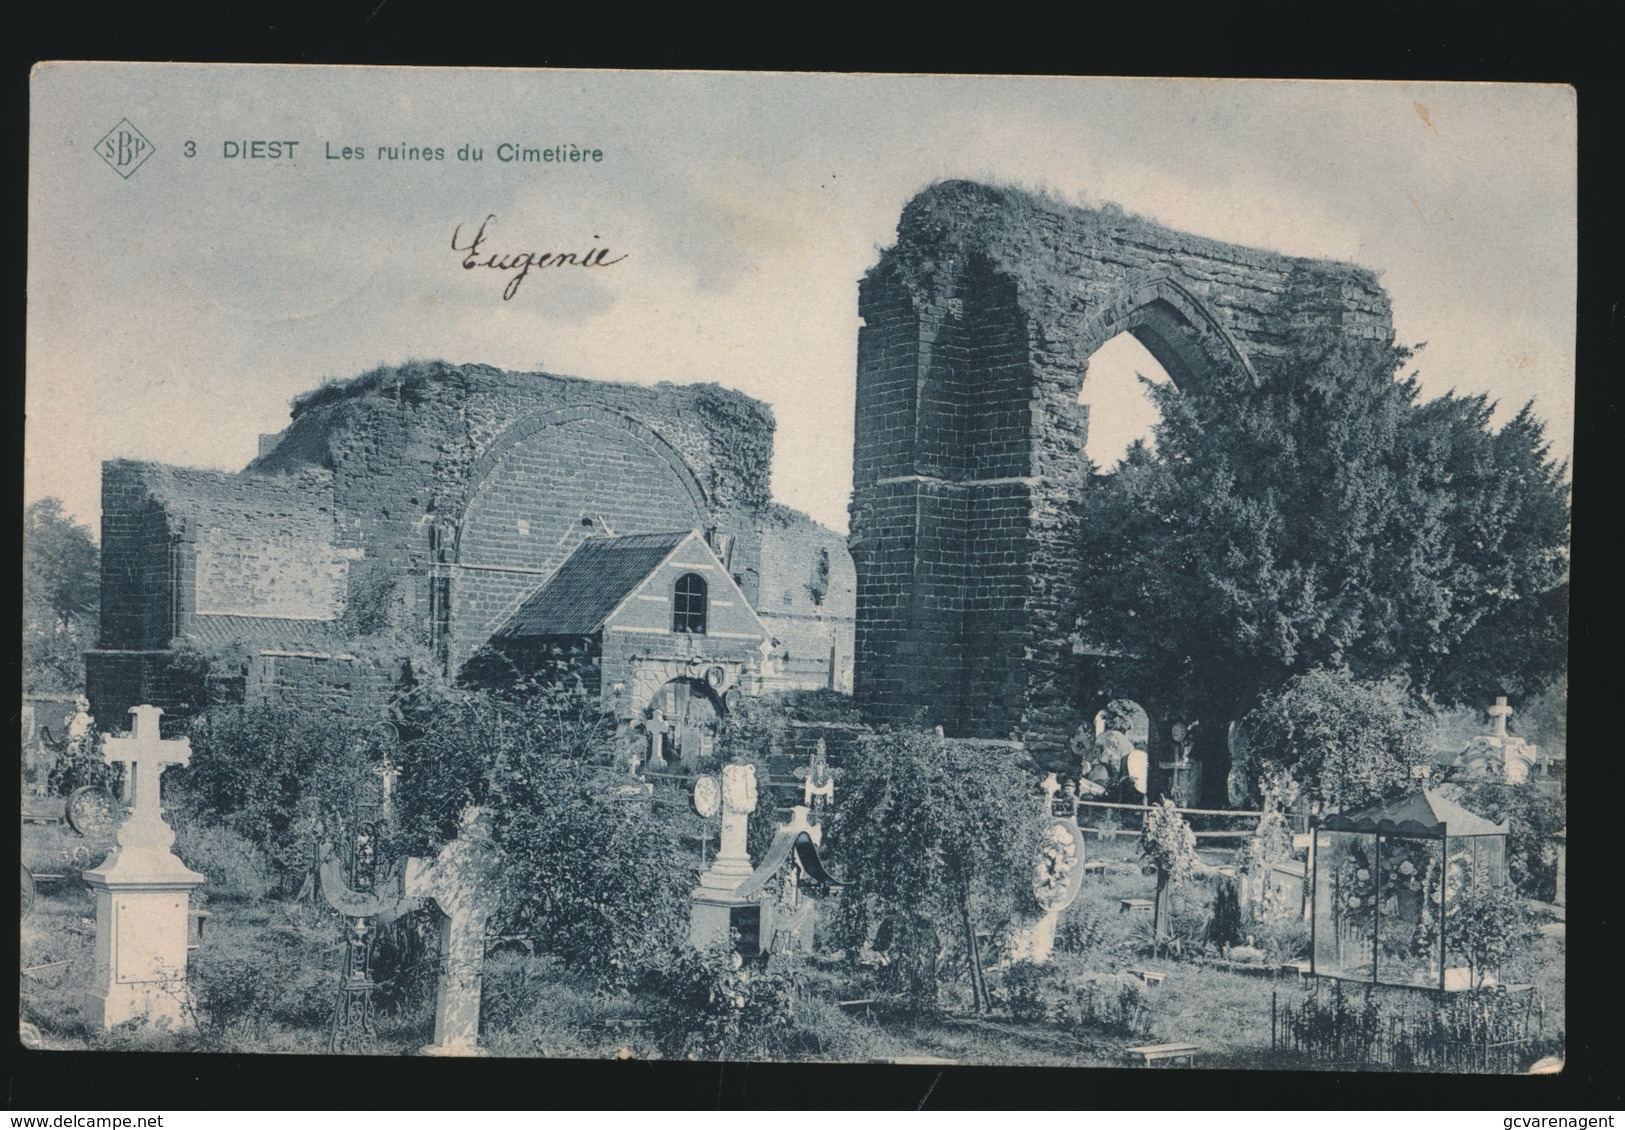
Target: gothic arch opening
{"x":682,"y":722}
{"x":1118,"y":407}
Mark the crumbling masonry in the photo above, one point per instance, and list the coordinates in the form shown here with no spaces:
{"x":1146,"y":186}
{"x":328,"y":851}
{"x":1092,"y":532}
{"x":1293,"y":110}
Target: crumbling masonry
{"x":404,"y":515}
{"x":978,"y":325}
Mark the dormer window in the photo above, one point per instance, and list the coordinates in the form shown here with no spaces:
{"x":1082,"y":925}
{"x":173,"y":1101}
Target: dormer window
{"x":688,"y":604}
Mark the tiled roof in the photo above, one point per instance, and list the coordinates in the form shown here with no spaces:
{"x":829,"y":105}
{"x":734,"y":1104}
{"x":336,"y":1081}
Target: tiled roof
{"x":590,"y":584}
{"x":263,"y":632}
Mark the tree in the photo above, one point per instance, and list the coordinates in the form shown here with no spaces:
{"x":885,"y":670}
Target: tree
{"x":939,"y":842}
{"x":61,"y":597}
{"x":1534,"y":816}
{"x":1326,"y":519}
{"x":1486,"y":924}
{"x":585,"y":870}
{"x":269,"y":772}
{"x":1349,"y":742}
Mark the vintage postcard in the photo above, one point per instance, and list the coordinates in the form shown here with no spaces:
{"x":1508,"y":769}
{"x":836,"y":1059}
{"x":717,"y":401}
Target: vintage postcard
{"x":797,"y":567}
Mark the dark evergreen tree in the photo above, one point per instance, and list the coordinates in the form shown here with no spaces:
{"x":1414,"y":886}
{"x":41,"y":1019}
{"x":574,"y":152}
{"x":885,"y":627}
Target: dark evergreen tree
{"x":1327,"y":519}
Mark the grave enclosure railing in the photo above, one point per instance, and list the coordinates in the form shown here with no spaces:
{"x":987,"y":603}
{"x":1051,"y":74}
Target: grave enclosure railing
{"x":1222,"y":827}
{"x":1488,"y":1032}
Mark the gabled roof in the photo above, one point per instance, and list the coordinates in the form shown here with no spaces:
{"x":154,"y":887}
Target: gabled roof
{"x":1423,"y":812}
{"x":591,"y":584}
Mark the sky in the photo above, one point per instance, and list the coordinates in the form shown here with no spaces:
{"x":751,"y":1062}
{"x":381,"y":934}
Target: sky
{"x":174,"y":313}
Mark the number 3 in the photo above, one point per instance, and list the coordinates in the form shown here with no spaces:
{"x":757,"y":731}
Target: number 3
{"x":191,"y":149}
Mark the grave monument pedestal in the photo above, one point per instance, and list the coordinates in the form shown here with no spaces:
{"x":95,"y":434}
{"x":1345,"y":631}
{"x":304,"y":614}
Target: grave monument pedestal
{"x":141,"y":892}
{"x":714,"y":901}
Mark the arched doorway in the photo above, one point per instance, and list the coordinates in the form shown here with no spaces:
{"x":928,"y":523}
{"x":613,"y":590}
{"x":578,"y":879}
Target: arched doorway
{"x":1120,"y":761}
{"x":683,"y":720}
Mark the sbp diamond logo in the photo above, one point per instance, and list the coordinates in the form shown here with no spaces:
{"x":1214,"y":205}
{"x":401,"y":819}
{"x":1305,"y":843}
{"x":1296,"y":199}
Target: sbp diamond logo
{"x":124,"y":148}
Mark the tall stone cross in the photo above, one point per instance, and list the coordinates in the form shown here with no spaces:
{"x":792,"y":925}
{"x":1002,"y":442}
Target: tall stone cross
{"x":388,"y":773}
{"x":141,"y":891}
{"x":461,"y":881}
{"x":1051,"y":788}
{"x":145,"y":755}
{"x":1498,"y":715}
{"x":713,"y":901}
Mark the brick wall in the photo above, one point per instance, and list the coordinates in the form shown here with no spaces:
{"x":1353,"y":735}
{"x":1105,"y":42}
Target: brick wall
{"x":406,"y":483}
{"x":978,"y":325}
{"x":545,"y":495}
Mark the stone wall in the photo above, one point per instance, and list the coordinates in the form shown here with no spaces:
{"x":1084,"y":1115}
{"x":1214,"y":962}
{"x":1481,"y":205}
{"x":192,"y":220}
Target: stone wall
{"x":179,"y":542}
{"x":808,"y":598}
{"x":410,"y":511}
{"x":978,"y":325}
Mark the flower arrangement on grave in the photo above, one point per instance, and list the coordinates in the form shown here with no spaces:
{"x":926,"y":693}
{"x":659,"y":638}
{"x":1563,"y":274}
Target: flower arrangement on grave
{"x":1401,"y":892}
{"x":1169,"y":845}
{"x":1354,"y":892}
{"x":1058,"y":857}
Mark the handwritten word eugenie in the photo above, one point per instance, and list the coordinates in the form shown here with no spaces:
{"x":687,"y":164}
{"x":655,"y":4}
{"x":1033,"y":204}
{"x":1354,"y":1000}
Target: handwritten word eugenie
{"x":474,"y":255}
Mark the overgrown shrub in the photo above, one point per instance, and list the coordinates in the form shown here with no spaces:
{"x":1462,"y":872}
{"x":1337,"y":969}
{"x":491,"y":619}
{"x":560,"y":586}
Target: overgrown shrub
{"x":1349,"y":742}
{"x":1224,"y":927}
{"x":1282,"y":939}
{"x":1080,"y":929}
{"x":1169,"y":845}
{"x":1486,"y":924}
{"x":236,"y":869}
{"x":710,"y":1005}
{"x":1535,"y":816}
{"x":578,"y":860}
{"x":1116,"y":1003}
{"x":236,"y":991}
{"x":406,"y":964}
{"x":262,"y":771}
{"x":1023,"y":991}
{"x":944,"y":838}
{"x":81,"y":763}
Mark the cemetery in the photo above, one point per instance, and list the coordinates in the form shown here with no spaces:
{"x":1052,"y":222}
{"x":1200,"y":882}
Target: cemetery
{"x":727,"y":910}
{"x":1182,"y":764}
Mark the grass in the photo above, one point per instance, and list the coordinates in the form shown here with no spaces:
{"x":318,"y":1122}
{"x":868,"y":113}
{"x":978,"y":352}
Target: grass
{"x":265,"y":980}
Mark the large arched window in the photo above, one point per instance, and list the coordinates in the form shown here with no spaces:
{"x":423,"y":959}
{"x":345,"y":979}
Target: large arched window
{"x":688,"y":604}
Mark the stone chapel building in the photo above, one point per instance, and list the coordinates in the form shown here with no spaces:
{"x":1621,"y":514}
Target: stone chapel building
{"x":422,"y":515}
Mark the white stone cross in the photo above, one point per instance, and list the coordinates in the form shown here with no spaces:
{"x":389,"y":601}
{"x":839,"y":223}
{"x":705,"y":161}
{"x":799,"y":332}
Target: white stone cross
{"x":460,"y":881}
{"x":1498,"y":715}
{"x":388,"y":773}
{"x":141,"y":891}
{"x":145,"y":756}
{"x":1051,"y":787}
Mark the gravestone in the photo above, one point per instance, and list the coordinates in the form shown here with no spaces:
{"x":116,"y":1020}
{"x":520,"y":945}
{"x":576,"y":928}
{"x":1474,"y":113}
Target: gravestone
{"x":817,"y":780}
{"x":1498,"y":754}
{"x":460,"y":880}
{"x":1057,"y":879}
{"x":714,"y":900}
{"x":142,"y":892}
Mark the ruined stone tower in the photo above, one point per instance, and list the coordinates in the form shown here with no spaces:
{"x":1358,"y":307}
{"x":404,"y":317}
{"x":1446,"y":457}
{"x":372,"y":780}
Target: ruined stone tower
{"x":978,"y":325}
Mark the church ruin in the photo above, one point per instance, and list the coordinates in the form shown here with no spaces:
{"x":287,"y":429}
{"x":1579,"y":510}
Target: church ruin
{"x":977,"y":328}
{"x":405,"y":518}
